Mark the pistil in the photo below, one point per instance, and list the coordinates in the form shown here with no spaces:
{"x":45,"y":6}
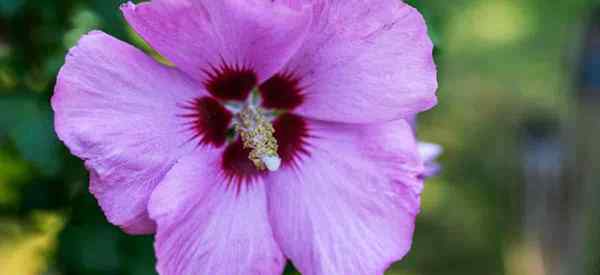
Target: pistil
{"x":257,"y":134}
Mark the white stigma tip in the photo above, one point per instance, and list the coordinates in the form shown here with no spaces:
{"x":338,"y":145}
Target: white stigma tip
{"x":272,"y":163}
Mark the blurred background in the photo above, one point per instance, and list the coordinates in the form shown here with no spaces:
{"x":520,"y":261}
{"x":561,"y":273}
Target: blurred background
{"x":518,"y":118}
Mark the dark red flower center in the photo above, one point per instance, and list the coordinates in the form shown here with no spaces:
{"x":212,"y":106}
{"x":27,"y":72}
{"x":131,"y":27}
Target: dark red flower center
{"x":209,"y":120}
{"x":231,"y":83}
{"x":213,"y":124}
{"x":282,"y":91}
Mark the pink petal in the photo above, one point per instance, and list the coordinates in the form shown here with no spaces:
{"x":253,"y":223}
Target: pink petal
{"x":198,"y":35}
{"x":116,"y":109}
{"x":350,"y":207}
{"x":429,"y":153}
{"x":365,"y":61}
{"x":206,"y":226}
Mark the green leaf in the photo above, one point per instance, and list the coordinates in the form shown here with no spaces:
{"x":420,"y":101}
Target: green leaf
{"x":10,"y":7}
{"x":28,"y":123}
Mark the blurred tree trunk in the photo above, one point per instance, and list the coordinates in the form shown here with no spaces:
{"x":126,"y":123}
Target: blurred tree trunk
{"x":562,"y":208}
{"x":577,"y":208}
{"x":588,"y":175}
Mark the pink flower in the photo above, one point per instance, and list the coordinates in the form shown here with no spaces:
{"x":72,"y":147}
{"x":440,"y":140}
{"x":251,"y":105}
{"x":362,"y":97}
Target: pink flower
{"x":429,"y":153}
{"x":278,"y":133}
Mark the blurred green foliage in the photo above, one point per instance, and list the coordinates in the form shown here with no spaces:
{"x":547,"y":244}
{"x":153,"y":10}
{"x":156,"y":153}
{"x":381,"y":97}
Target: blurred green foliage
{"x":500,"y":62}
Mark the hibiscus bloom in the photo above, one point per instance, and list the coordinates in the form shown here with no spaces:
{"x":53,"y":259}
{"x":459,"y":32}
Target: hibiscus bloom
{"x":277,"y":135}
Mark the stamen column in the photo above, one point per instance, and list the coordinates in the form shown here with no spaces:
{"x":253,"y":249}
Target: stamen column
{"x":257,"y":134}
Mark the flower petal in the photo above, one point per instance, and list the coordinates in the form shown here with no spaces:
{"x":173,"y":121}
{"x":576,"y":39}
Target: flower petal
{"x":117,"y":109}
{"x":200,"y":35}
{"x":429,"y":153}
{"x":205,"y":226}
{"x":350,"y":207}
{"x":365,"y":61}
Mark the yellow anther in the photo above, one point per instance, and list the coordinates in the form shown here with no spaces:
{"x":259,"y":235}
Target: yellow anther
{"x":257,"y":135}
